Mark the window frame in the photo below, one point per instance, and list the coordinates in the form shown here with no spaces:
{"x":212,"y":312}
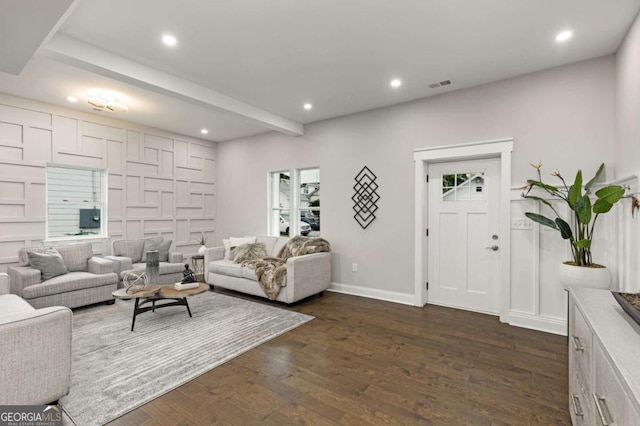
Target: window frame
{"x":294,"y":201}
{"x":271,"y":210}
{"x":103,"y":205}
{"x":297,"y":200}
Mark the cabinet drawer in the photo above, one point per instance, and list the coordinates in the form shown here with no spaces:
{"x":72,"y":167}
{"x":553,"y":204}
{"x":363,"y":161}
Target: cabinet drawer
{"x":610,"y":401}
{"x":580,"y":402}
{"x":581,"y":343}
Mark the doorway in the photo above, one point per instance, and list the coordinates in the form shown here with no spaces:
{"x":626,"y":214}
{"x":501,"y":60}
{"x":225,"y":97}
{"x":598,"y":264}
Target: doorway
{"x":462,"y":244}
{"x":464,"y":241}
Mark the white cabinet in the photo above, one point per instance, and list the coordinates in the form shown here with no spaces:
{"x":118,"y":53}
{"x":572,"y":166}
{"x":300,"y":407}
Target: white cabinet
{"x":604,"y":361}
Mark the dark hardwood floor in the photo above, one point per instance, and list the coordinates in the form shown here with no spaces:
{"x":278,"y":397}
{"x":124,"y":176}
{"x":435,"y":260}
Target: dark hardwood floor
{"x":363,"y":361}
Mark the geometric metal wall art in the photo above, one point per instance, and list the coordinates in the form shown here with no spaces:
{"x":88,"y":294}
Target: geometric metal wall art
{"x":365,"y":198}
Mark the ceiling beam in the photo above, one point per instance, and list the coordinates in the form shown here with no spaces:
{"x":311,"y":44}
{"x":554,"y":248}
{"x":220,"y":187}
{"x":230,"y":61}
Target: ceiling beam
{"x":85,"y":56}
{"x":27,"y":25}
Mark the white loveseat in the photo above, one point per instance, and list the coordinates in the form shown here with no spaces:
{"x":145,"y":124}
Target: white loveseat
{"x":306,"y":275}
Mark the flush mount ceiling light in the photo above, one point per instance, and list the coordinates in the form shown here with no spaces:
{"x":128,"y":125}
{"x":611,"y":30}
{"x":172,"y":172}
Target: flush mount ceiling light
{"x":72,"y":99}
{"x":396,"y":82}
{"x":102,"y":100}
{"x":563,"y":36}
{"x":169,"y":40}
{"x":307,"y":106}
{"x":204,"y":131}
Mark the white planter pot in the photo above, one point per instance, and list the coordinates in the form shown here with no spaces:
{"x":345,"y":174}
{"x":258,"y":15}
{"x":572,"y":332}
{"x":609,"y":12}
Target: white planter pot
{"x":201,"y":250}
{"x":583,"y":276}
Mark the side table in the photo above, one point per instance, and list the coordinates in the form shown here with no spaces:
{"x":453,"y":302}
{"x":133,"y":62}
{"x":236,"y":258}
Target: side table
{"x":197,"y":261}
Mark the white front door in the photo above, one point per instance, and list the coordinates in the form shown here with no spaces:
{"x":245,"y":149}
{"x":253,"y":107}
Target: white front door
{"x":464,"y":242}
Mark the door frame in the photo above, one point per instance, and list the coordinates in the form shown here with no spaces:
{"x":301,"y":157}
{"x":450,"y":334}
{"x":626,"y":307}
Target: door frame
{"x":496,"y":148}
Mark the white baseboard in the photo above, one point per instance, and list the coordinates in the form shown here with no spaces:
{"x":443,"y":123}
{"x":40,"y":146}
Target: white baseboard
{"x":514,"y":318}
{"x":372,"y":293}
{"x":534,"y":322}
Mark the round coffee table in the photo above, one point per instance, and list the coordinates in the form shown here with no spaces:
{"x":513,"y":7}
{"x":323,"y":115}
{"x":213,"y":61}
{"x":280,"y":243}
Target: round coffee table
{"x":154,"y":293}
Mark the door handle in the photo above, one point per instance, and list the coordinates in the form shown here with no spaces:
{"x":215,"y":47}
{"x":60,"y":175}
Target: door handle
{"x":494,"y":248}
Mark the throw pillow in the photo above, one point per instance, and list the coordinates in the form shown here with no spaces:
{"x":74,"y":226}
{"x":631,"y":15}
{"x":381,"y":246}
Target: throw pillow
{"x":50,"y":263}
{"x":247,"y":252}
{"x":227,"y":250}
{"x":23,"y":254}
{"x":235,"y":242}
{"x":164,"y":250}
{"x":161,"y":246}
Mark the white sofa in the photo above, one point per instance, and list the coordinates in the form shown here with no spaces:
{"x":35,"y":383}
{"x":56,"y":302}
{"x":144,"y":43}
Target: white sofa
{"x":306,"y":275}
{"x":35,"y":349}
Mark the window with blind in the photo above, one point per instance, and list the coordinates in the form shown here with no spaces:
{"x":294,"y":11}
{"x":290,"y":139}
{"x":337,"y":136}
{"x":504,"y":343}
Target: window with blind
{"x":76,"y":198}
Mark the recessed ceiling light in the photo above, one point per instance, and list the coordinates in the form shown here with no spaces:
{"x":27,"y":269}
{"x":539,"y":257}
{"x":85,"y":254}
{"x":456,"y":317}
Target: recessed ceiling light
{"x":204,"y":131}
{"x":307,"y":106}
{"x":72,"y":99}
{"x":563,"y":36}
{"x":169,"y":40}
{"x":396,"y":82}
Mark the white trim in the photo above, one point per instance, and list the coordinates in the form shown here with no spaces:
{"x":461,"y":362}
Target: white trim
{"x":631,"y":178}
{"x":471,"y":149}
{"x":269,"y":203}
{"x":500,"y":148}
{"x":104,"y":209}
{"x":372,"y":293}
{"x":535,"y":322}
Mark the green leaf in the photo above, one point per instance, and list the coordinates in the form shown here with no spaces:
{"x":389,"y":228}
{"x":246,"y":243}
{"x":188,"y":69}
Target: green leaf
{"x":583,"y":209}
{"x":583,"y":243}
{"x":564,"y":228}
{"x":575,"y":192}
{"x":542,"y":200}
{"x":611,"y":193}
{"x":542,"y":220}
{"x":593,"y":180}
{"x":601,"y":206}
{"x":548,"y":188}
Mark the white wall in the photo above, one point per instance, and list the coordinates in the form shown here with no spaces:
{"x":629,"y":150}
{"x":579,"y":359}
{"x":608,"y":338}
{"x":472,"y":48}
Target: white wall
{"x":627,"y":152}
{"x":159,"y":183}
{"x":627,"y":147}
{"x":563,"y":117}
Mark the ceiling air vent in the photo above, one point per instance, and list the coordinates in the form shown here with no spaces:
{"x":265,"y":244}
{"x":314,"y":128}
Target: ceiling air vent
{"x":440,"y":84}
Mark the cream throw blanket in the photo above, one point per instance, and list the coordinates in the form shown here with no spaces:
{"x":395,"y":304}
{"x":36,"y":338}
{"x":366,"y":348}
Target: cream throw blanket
{"x":271,"y":271}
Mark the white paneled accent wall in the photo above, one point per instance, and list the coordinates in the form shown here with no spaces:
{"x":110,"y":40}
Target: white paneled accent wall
{"x":159,"y":183}
{"x":537,"y":298}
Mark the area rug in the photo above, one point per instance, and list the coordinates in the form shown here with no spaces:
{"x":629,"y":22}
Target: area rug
{"x":116,"y":370}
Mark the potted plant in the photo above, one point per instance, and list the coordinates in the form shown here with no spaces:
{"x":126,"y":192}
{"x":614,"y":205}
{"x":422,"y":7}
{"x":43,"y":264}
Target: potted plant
{"x":203,"y":244}
{"x":579,"y":227}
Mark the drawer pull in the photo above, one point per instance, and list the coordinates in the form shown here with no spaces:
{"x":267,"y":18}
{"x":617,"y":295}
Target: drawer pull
{"x":603,"y":411}
{"x":577,"y":345}
{"x":577,"y":408}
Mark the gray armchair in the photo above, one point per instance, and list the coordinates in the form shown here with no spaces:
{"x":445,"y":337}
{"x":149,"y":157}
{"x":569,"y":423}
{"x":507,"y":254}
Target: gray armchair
{"x":89,"y":279}
{"x":29,"y":374}
{"x":129,"y":255}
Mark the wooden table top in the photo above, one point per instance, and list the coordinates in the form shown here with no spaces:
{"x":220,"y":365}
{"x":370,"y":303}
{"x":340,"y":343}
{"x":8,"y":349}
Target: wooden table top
{"x":170,"y":292}
{"x":148,"y":291}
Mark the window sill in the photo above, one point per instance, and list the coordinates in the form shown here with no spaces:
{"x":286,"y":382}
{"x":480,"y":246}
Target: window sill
{"x":85,"y":238}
